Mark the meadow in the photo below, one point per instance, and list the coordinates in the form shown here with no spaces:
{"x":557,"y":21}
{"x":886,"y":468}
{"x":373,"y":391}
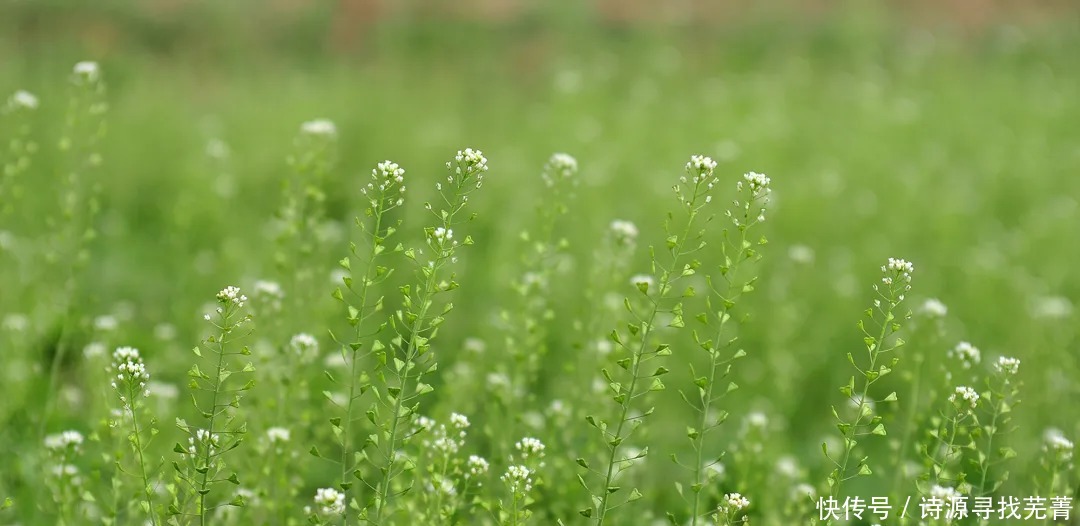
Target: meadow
{"x":580,"y":274}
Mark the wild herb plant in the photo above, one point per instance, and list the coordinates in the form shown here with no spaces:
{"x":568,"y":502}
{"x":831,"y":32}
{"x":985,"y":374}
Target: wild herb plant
{"x":73,"y":228}
{"x":896,"y":282}
{"x":402,"y":364}
{"x":726,"y":286}
{"x":19,"y":151}
{"x":1001,"y":396}
{"x":131,"y":384}
{"x":638,"y":348}
{"x":201,"y":467}
{"x":384,"y":193}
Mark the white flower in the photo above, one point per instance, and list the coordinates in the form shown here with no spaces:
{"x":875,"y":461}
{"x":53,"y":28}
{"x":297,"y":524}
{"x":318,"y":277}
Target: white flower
{"x":87,"y":70}
{"x":477,"y":466}
{"x":64,"y":440}
{"x":330,"y":501}
{"x":470,"y":162}
{"x":560,"y":166}
{"x":305,"y":346}
{"x":1007,"y":365}
{"x":897,"y":268}
{"x":278,"y":435}
{"x":934,"y":308}
{"x":967,"y":353}
{"x":232,"y":295}
{"x":459,"y":421}
{"x":945,"y":493}
{"x":442,"y":235}
{"x":518,"y":478}
{"x":23,"y":100}
{"x":268,"y":289}
{"x":757,"y":419}
{"x":384,"y":176}
{"x":965,"y":394}
{"x":700,"y":166}
{"x":736,"y":502}
{"x":759,"y":183}
{"x":94,"y":349}
{"x":625,"y":232}
{"x":319,"y":127}
{"x":105,"y":323}
{"x":1058,"y":444}
{"x":530,"y":447}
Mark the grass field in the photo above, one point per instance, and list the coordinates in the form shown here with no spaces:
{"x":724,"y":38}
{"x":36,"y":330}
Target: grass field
{"x":137,"y":187}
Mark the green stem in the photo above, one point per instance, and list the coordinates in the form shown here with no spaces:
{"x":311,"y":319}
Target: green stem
{"x":364,"y":286}
{"x":210,"y":427}
{"x":602,"y":508}
{"x":874,"y":352}
{"x":147,"y":494}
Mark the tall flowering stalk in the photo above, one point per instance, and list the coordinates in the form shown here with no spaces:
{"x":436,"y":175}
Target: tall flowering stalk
{"x":203,"y":458}
{"x":313,"y":158}
{"x":636,"y":344}
{"x":407,"y":359}
{"x":62,"y":476}
{"x":895,"y":283}
{"x":1002,"y":395}
{"x":725,"y":291}
{"x":525,"y":325}
{"x":73,"y":227}
{"x":384,"y":192}
{"x":944,"y":449}
{"x":131,"y":386}
{"x":16,"y":157}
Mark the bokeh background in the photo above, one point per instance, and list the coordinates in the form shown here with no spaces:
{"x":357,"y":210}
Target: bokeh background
{"x":944,"y":132}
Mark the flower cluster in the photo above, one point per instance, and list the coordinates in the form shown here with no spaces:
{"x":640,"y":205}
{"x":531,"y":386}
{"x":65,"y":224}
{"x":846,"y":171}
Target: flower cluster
{"x":897,"y":268}
{"x":442,"y":235}
{"x":330,"y":501}
{"x":319,"y":128}
{"x":700,"y":167}
{"x":65,"y":440}
{"x":305,"y":346}
{"x":278,"y":435}
{"x":443,"y":440}
{"x":130,"y":371}
{"x":203,"y":437}
{"x":560,"y":166}
{"x":470,"y":162}
{"x":625,"y":232}
{"x":736,"y":502}
{"x":965,"y":394}
{"x":478,"y":467}
{"x":1057,"y":444}
{"x":232,"y":295}
{"x":758,"y":183}
{"x":945,"y":493}
{"x":967,"y":353}
{"x":269,"y":293}
{"x":1007,"y":365}
{"x":22,"y":100}
{"x":384,"y":177}
{"x":530,"y":447}
{"x":934,"y":308}
{"x":87,"y":71}
{"x":518,"y":478}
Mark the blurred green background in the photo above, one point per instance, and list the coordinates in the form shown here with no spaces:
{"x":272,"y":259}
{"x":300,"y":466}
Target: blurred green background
{"x":947,"y":133}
